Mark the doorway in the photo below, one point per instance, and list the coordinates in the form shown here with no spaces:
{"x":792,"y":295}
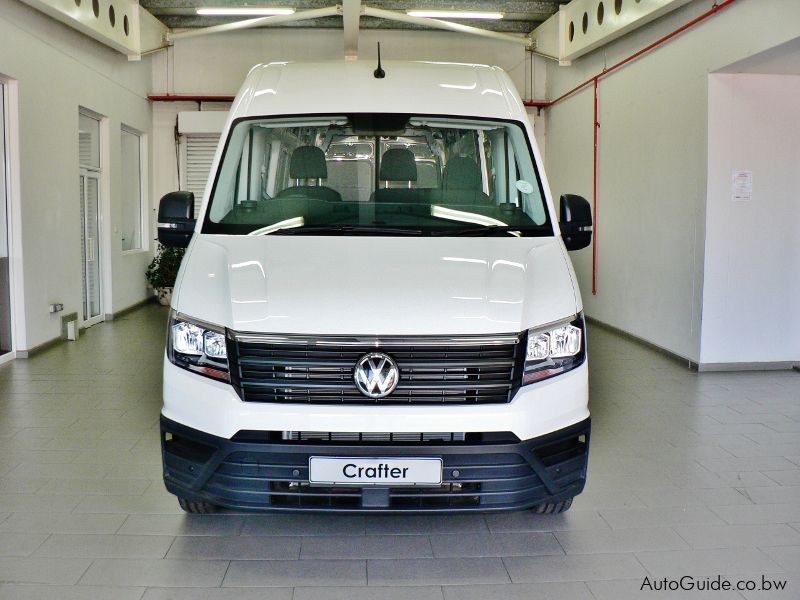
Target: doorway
{"x":6,"y":345}
{"x":91,"y":218}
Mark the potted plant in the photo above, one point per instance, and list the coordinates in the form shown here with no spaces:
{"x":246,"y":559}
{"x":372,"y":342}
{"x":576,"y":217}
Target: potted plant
{"x":163,"y":271}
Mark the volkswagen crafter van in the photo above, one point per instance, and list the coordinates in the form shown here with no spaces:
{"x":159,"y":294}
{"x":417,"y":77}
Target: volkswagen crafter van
{"x":376,"y":310}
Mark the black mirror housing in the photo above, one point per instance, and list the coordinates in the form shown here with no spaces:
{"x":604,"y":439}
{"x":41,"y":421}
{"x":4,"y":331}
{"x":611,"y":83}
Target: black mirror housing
{"x":575,"y":221}
{"x":176,"y":219}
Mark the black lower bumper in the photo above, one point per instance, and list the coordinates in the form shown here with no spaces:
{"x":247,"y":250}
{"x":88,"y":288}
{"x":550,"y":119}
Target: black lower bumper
{"x":483,"y":476}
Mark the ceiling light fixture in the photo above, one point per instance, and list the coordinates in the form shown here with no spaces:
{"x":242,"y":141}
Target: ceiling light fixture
{"x":454,"y":14}
{"x":240,"y":11}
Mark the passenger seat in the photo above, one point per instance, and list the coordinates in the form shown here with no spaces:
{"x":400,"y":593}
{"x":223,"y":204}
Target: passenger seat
{"x":461,"y":182}
{"x":308,"y":163}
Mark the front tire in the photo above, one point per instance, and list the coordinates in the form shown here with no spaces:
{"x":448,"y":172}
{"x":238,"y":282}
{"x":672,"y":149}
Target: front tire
{"x":552,"y":508}
{"x":198,"y":508}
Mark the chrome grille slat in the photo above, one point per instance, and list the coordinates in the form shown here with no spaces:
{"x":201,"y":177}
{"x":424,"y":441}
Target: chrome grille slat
{"x":305,"y":369}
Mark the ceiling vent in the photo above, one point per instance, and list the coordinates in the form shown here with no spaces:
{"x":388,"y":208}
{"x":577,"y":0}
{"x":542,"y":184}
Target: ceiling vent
{"x":584,"y":25}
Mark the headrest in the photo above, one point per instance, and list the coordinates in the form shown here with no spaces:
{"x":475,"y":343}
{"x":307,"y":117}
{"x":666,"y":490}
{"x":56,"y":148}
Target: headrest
{"x":461,"y":173}
{"x":398,"y":164}
{"x":308,"y":162}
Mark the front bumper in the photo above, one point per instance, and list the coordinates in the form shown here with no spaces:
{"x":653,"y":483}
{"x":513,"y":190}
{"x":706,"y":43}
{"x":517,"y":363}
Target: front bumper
{"x":483,"y":476}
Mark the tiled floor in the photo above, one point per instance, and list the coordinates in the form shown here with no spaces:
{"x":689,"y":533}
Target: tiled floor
{"x":689,"y":475}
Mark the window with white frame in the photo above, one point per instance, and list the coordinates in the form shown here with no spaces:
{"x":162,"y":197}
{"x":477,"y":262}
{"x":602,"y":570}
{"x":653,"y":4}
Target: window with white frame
{"x":132,"y":191}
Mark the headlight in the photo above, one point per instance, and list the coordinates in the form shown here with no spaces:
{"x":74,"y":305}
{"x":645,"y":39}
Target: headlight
{"x":197,"y":346}
{"x":554,"y":350}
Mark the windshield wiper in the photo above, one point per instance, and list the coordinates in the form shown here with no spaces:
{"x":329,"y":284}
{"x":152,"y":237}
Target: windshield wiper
{"x":347,"y":229}
{"x":486,"y":230}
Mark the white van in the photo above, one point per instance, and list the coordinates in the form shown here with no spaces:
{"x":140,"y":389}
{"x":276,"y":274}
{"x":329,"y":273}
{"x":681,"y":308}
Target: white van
{"x":376,"y":310}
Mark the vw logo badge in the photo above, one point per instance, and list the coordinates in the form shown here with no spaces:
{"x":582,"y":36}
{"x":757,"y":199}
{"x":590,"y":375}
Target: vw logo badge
{"x":376,"y":375}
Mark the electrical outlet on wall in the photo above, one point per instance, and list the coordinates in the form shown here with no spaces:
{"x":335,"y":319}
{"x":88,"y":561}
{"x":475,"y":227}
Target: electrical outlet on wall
{"x":56,"y":307}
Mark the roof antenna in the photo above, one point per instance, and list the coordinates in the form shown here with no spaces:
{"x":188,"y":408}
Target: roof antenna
{"x":379,"y":73}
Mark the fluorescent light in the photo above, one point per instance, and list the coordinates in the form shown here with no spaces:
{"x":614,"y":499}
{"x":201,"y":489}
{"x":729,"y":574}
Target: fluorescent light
{"x":454,"y":14}
{"x":240,"y":11}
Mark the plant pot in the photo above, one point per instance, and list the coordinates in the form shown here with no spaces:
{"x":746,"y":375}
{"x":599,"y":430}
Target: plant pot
{"x":164,"y":296}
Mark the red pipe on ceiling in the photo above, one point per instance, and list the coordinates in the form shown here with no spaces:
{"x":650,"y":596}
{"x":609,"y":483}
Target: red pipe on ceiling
{"x":595,"y":81}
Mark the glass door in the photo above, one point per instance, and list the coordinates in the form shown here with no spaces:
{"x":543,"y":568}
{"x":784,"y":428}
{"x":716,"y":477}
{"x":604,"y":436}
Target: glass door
{"x":5,"y":267}
{"x":90,"y":241}
{"x":90,"y":171}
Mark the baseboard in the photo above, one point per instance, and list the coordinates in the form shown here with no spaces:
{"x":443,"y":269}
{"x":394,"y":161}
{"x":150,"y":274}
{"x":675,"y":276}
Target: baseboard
{"x":129,"y":309}
{"x":642,"y":342}
{"x":700,"y":367}
{"x":748,"y":366}
{"x":40,"y":348}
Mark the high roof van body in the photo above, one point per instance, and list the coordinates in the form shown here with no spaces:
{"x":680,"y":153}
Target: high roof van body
{"x":376,"y":310}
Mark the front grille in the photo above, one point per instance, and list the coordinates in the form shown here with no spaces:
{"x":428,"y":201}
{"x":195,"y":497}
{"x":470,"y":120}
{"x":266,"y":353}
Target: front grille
{"x":319,"y":370}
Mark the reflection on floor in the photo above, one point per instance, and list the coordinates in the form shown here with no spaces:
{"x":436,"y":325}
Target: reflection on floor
{"x":689,"y":475}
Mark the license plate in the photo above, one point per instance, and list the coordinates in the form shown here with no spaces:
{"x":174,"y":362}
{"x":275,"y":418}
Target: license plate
{"x":374,"y":471}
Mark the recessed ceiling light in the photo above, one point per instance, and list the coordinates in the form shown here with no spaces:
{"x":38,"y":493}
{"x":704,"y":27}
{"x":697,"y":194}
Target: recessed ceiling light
{"x":240,"y":11}
{"x":454,"y":14}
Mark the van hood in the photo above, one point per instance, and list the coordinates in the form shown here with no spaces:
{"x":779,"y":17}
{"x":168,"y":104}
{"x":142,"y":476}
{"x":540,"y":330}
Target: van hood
{"x":376,"y":285}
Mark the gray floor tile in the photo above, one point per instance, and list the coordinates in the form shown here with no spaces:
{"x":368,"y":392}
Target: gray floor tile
{"x":235,"y":548}
{"x":61,"y":523}
{"x":280,"y":573}
{"x":738,"y":536}
{"x":301,"y":524}
{"x":773,"y":495}
{"x":619,"y":540}
{"x":129,"y":505}
{"x":181,"y":524}
{"x":437,"y":571}
{"x":155,"y":593}
{"x":659,"y":517}
{"x":494,"y":544}
{"x":371,"y":546}
{"x":681,"y":497}
{"x":63,"y":571}
{"x":578,"y":567}
{"x":788,"y":557}
{"x":759,"y":513}
{"x":369,"y":593}
{"x":105,"y":546}
{"x":676,"y":563}
{"x":528,"y":521}
{"x":158,"y":573}
{"x":27,"y":591}
{"x":20,"y":544}
{"x":519,"y":591}
{"x":424,"y":524}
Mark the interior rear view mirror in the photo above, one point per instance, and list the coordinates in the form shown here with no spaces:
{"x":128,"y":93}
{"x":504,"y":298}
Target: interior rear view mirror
{"x":176,"y":219}
{"x":575,"y":221}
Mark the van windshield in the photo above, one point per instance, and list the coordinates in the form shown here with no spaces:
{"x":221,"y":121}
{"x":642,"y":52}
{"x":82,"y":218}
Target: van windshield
{"x":377,"y":174}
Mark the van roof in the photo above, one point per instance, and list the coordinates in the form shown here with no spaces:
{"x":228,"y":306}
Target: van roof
{"x":436,"y":88}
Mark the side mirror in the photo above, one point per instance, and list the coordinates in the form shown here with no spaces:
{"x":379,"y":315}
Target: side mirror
{"x":176,"y":219}
{"x":575,"y":221}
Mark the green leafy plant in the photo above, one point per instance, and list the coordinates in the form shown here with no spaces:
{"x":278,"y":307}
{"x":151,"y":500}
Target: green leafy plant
{"x":163,"y":270}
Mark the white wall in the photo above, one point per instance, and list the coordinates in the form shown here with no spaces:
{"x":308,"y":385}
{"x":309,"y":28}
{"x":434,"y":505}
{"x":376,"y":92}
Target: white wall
{"x":653,"y":163}
{"x":57,"y":71}
{"x":751,"y":292}
{"x":217,"y":65}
